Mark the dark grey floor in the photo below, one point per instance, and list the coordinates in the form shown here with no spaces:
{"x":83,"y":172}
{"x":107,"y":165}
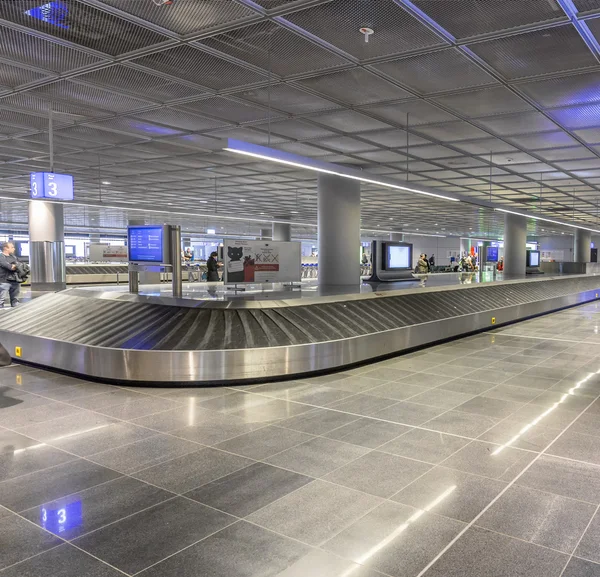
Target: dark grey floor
{"x":476,"y":458}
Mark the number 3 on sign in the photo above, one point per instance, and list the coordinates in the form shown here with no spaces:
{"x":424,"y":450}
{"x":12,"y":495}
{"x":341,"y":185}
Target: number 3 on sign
{"x":34,"y":189}
{"x":52,"y":189}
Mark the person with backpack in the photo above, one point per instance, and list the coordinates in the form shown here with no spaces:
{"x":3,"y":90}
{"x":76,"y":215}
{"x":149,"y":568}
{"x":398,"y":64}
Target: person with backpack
{"x":10,"y":284}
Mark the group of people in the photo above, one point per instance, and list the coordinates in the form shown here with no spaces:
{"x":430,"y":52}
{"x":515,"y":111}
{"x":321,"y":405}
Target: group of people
{"x":425,"y":265}
{"x":212,"y":265}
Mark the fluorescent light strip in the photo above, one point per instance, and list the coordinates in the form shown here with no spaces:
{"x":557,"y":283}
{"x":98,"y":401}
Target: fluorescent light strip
{"x":336,"y":173}
{"x":544,"y":219}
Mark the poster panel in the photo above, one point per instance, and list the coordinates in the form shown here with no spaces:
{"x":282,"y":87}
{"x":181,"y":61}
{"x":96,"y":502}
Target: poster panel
{"x":256,"y":261}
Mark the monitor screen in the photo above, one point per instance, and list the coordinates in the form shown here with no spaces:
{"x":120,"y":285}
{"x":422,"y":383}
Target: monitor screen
{"x":145,"y":243}
{"x":69,"y":250}
{"x":398,"y":257}
{"x":492,"y":254}
{"x":22,"y":249}
{"x":534,"y":258}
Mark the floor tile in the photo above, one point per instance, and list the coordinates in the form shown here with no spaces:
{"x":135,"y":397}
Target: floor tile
{"x":557,"y":418}
{"x":370,"y":433}
{"x":239,"y":550}
{"x":488,"y":407}
{"x":479,"y":552}
{"x":441,"y":398}
{"x":580,"y":568}
{"x":20,"y":539}
{"x":327,"y":509}
{"x":264,"y":442}
{"x":465,"y":495}
{"x":588,"y":424}
{"x":70,"y":392}
{"x":318,"y":395}
{"x":588,"y":548}
{"x":62,"y":561}
{"x":493,"y":376}
{"x":143,"y":454}
{"x":576,"y":446}
{"x":521,"y":435}
{"x":395,"y":539}
{"x":38,"y":414}
{"x":464,"y":424}
{"x":34,"y":489}
{"x":357,"y":383}
{"x":573,"y":402}
{"x":192,"y":470}
{"x":248,"y":489}
{"x":66,"y":427}
{"x":511,"y":393}
{"x":397,"y":391}
{"x":318,"y":421}
{"x":541,"y":518}
{"x":323,"y":564}
{"x":362,"y":404}
{"x":93,"y":508}
{"x":134,"y":543}
{"x":378,"y":473}
{"x":273,"y":410}
{"x":139,"y":408}
{"x":425,"y":446}
{"x":115,"y":397}
{"x":484,"y":459}
{"x":317,"y":457}
{"x":563,"y":477}
{"x":425,"y":380}
{"x":194,"y":394}
{"x":16,"y":400}
{"x":531,"y":382}
{"x":216,"y":431}
{"x":30,"y":457}
{"x":407,"y":413}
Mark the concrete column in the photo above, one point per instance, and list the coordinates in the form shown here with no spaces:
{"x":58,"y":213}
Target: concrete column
{"x":339,"y":230}
{"x":396,"y":237}
{"x":266,"y":234}
{"x":47,"y":246}
{"x":282,"y":232}
{"x":582,"y":241}
{"x":515,"y":241}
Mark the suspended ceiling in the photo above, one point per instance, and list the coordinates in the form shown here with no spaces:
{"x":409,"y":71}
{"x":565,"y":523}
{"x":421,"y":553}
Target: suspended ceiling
{"x":493,"y":99}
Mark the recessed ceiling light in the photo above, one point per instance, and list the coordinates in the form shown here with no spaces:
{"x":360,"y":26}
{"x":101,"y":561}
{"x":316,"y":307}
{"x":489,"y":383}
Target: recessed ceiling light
{"x":204,"y":201}
{"x":105,"y":182}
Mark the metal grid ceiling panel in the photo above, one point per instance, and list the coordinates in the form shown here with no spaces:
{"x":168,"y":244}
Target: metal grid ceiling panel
{"x":594,"y":26}
{"x":577,"y":116}
{"x":487,"y":102}
{"x":348,"y":121}
{"x":536,"y":53}
{"x":136,"y":126}
{"x":452,"y":131}
{"x":66,"y":111}
{"x":297,"y":129}
{"x":339,"y":21}
{"x":13,"y":76}
{"x":287,"y":98}
{"x":193,"y":65}
{"x":525,"y":123}
{"x":467,"y":18}
{"x":273,"y":4}
{"x":543,"y":140}
{"x":228,"y":110}
{"x":419,"y":112}
{"x":259,"y":43}
{"x":436,"y":72}
{"x":181,"y":119}
{"x":186,"y":16}
{"x":587,"y":5}
{"x":138,"y":82}
{"x":97,"y":98}
{"x":356,"y":87}
{"x":575,"y":89}
{"x":29,"y":50}
{"x":26,"y":121}
{"x":84,"y":25}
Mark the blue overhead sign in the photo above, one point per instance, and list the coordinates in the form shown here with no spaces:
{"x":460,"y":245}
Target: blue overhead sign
{"x":51,"y":185}
{"x":55,"y":13}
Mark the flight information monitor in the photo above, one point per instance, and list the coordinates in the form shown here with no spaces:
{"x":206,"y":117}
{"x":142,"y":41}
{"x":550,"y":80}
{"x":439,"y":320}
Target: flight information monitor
{"x":147,"y":244}
{"x":492,"y":254}
{"x":533,"y":258}
{"x":398,"y":257}
{"x":51,"y":185}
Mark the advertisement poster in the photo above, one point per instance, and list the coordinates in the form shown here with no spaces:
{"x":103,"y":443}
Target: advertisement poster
{"x":107,"y":252}
{"x":249,"y":261}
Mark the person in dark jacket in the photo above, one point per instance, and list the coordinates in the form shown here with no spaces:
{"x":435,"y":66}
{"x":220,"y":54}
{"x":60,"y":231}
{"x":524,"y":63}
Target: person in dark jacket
{"x":212,"y":266}
{"x":9,"y":285}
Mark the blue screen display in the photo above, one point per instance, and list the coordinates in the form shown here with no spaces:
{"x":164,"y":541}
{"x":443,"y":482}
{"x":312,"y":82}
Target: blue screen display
{"x":492,"y":254}
{"x":145,"y":243}
{"x":55,"y":13}
{"x":61,"y":518}
{"x":51,"y":185}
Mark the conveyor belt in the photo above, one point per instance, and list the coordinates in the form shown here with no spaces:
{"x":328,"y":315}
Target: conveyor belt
{"x":222,"y":343}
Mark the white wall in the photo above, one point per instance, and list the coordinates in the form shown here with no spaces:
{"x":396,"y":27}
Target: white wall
{"x":433,"y":245}
{"x":557,"y":245}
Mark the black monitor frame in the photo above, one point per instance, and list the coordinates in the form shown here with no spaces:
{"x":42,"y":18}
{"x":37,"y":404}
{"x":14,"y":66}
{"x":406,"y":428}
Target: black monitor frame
{"x":386,"y":246}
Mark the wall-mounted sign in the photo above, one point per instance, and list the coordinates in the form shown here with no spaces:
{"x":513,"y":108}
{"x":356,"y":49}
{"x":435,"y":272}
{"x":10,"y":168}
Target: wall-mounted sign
{"x":51,"y":185}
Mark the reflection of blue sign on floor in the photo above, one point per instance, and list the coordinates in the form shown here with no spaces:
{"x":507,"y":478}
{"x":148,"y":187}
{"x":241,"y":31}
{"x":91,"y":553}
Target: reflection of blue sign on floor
{"x":63,"y":518}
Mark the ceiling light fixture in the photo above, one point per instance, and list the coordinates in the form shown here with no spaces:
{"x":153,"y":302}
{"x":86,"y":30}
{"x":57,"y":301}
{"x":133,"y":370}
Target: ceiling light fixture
{"x":544,"y":219}
{"x":282,"y":157}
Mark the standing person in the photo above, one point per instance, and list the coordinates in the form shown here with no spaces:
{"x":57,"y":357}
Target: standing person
{"x":9,"y":285}
{"x":212,"y":267}
{"x":432,"y":261}
{"x":426,"y":261}
{"x":422,"y":268}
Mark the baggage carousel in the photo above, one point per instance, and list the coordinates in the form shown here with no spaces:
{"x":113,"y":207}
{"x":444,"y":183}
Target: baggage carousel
{"x":115,"y":336}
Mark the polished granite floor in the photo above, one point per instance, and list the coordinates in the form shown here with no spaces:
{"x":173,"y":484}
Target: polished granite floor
{"x":475,"y":458}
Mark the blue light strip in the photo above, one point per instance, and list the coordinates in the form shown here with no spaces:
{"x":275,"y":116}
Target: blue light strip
{"x":418,"y":13}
